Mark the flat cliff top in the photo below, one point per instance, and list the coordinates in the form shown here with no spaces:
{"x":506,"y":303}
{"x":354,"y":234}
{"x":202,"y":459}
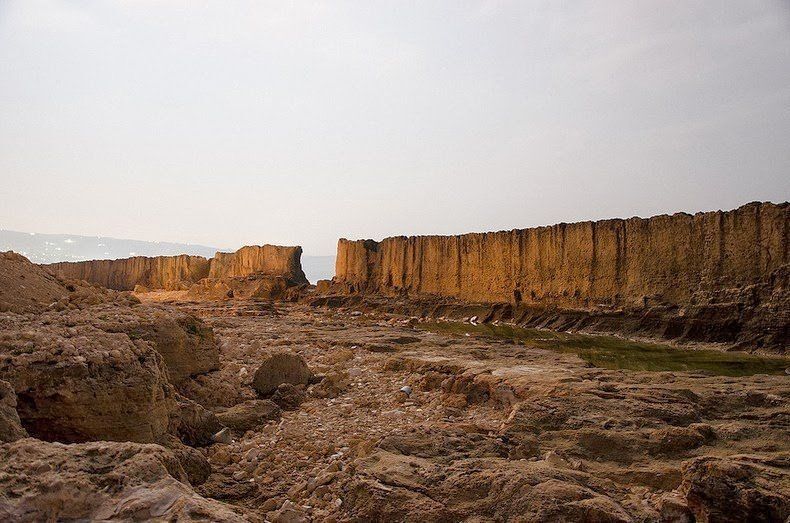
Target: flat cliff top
{"x":783,"y":206}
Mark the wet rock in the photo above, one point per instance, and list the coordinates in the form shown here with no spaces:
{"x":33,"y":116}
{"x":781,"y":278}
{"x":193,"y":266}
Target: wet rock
{"x":278,"y":369}
{"x":250,"y":414}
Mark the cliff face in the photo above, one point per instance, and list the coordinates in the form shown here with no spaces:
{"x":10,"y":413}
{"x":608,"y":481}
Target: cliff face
{"x":180,"y":272}
{"x":160,"y":272}
{"x":633,"y":262}
{"x":714,"y":276}
{"x":272,"y":260}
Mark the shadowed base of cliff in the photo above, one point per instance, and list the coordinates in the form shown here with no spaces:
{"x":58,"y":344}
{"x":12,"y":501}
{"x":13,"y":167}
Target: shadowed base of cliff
{"x":751,"y":320}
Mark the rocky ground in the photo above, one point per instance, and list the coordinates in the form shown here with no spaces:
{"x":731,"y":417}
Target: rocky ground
{"x":238,"y":410}
{"x":400,"y":424}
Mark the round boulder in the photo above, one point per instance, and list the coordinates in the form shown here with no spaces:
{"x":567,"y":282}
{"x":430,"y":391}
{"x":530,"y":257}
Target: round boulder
{"x":278,"y":369}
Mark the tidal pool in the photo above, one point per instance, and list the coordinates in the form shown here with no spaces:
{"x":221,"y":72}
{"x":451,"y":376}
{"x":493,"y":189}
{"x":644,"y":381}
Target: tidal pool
{"x":617,"y":353}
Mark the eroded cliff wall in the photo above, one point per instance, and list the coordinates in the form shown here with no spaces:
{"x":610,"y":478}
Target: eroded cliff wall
{"x":631,"y":262}
{"x":272,"y":260}
{"x":180,"y":272}
{"x":160,"y":272}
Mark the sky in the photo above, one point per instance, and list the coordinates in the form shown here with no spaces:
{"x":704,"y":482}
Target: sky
{"x":248,"y":122}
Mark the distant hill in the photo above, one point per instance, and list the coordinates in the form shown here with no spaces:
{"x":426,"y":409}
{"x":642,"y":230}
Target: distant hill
{"x":51,"y":248}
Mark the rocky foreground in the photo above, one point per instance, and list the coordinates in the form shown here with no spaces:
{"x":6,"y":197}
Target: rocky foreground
{"x":113,"y":409}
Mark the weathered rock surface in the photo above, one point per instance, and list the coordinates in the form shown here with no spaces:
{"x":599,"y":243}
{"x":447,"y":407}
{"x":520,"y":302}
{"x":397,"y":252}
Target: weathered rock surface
{"x":715,"y":276}
{"x":78,"y":383}
{"x":25,"y":287}
{"x":258,"y":286}
{"x":186,"y":344}
{"x":272,"y":260}
{"x":249,"y":414}
{"x":159,"y":272}
{"x":280,"y":368}
{"x":738,"y":488}
{"x":10,"y":425}
{"x":181,"y":272}
{"x":100,"y":481}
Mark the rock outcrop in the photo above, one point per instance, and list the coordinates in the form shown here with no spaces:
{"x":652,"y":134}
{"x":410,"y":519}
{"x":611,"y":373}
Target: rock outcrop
{"x":100,"y":481}
{"x":25,"y":287}
{"x":185,"y":343}
{"x":272,"y":260}
{"x":254,"y":271}
{"x":77,"y":383}
{"x":738,"y":488}
{"x":728,"y":268}
{"x":160,"y":272}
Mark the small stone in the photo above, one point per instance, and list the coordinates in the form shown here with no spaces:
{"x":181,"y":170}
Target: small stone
{"x":223,"y":436}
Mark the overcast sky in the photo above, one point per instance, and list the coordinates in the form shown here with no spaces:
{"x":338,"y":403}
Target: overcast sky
{"x":239,"y":122}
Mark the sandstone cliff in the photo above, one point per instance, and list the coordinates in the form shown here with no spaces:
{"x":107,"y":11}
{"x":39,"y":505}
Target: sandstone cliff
{"x":180,"y":272}
{"x":615,"y":262}
{"x":272,"y":260}
{"x":160,"y":272}
{"x":736,"y":257}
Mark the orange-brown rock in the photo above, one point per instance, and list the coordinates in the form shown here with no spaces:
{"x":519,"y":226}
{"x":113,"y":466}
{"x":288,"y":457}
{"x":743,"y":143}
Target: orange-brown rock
{"x":160,"y":272}
{"x":141,"y":273}
{"x":271,"y":260}
{"x":733,"y":263}
{"x":617,"y":262}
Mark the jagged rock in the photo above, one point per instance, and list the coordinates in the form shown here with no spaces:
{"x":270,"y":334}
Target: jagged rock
{"x":10,"y":425}
{"x":194,"y":462}
{"x":280,"y":368}
{"x":99,"y":481}
{"x":79,"y":383}
{"x":249,"y":414}
{"x":738,"y":488}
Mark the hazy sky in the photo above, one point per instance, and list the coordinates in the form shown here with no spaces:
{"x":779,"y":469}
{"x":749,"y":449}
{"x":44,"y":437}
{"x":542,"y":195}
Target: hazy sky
{"x":237,"y":122}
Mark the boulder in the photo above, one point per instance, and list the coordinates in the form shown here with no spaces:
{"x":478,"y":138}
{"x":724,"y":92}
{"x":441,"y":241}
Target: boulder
{"x":250,"y":414}
{"x":10,"y":425}
{"x":280,"y":368}
{"x":77,"y":383}
{"x":100,"y":481}
{"x":192,"y":423}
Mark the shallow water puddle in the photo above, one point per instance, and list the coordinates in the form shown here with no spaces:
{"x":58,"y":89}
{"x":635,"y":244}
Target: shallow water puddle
{"x":616,"y":353}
